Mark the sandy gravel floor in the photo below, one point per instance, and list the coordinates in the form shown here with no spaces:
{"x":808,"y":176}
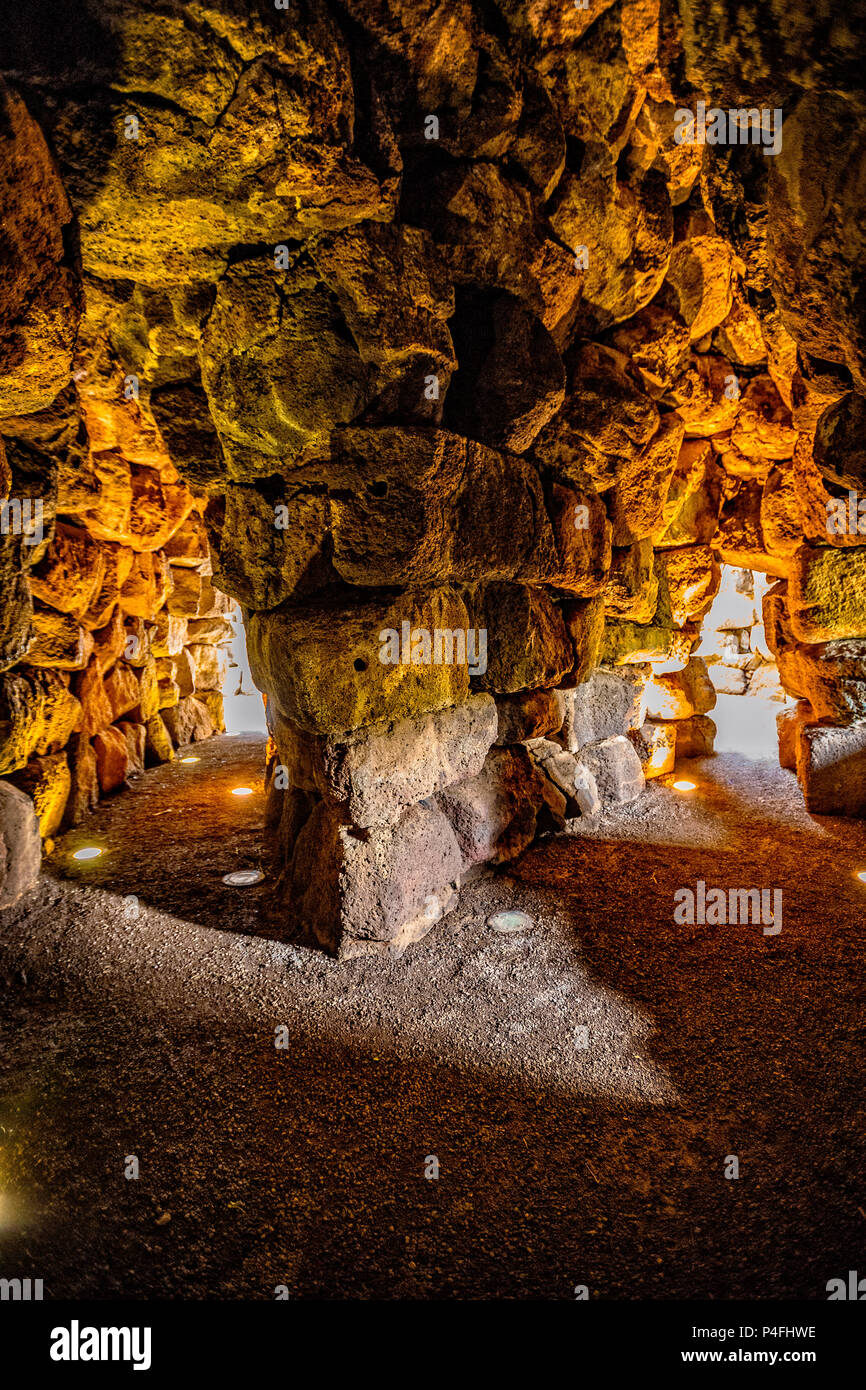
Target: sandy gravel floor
{"x":582,"y":1084}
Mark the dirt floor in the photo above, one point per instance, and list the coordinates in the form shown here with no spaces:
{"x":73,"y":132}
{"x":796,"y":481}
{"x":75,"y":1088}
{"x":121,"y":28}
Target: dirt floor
{"x":582,"y":1084}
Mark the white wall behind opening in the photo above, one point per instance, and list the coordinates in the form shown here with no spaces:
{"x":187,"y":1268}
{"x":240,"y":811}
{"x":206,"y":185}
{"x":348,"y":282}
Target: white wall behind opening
{"x":243,"y":705}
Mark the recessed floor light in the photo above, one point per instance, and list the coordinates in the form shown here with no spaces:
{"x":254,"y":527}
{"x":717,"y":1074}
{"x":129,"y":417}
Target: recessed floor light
{"x":243,"y":878}
{"x":861,"y":874}
{"x":684,"y":786}
{"x":89,"y":852}
{"x":242,"y":791}
{"x":513,"y":921}
{"x":189,"y":760}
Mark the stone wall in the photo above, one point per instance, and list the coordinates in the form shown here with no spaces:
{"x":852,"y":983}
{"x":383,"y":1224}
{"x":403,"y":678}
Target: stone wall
{"x":446,"y":339}
{"x":111,"y":632}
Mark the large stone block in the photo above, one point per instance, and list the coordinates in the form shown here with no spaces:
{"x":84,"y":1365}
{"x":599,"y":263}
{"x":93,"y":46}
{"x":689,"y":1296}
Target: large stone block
{"x":582,"y":537}
{"x":691,"y":576}
{"x":528,"y":644}
{"x":365,"y":891}
{"x":96,"y":709}
{"x":831,"y":768}
{"x":84,"y":790}
{"x":778,"y":633}
{"x":494,"y":813}
{"x":169,"y":635}
{"x":789,"y":722}
{"x":605,"y":423}
{"x":210,"y":667}
{"x":695,"y":736}
{"x":827,"y":593}
{"x":584,"y":622}
{"x":113,"y":767}
{"x":70,"y":575}
{"x":374,"y":775}
{"x":38,"y":714}
{"x":632,"y":590}
{"x":244,"y":133}
{"x":16,"y":608}
{"x":191,"y":595}
{"x":265,"y":550}
{"x":335,"y":667}
{"x":639,"y":505}
{"x":58,"y":640}
{"x":830,"y":675}
{"x":136,"y":741}
{"x":217,"y":631}
{"x":147,"y":586}
{"x":482,"y":222}
{"x":704,"y":397}
{"x":609,"y":703}
{"x":118,"y":563}
{"x":701,"y":277}
{"x":616,"y":768}
{"x":187,"y":721}
{"x":189,"y":544}
{"x":656,"y":746}
{"x":48,"y":783}
{"x":570,"y":777}
{"x":628,"y":643}
{"x":279,"y":368}
{"x":20,"y":846}
{"x":423,"y":507}
{"x":40,"y":299}
{"x":123,"y":690}
{"x":681,"y":694}
{"x":740,"y":539}
{"x":763,"y":428}
{"x":396,"y":301}
{"x":529,"y":714}
{"x":694,"y":496}
{"x":628,"y":234}
{"x":158,"y":745}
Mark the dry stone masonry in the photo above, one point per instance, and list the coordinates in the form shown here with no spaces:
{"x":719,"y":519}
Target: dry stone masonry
{"x":462,"y":348}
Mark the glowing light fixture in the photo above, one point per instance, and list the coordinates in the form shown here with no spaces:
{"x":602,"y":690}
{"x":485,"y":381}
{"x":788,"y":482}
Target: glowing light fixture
{"x":243,"y":878}
{"x":189,"y":760}
{"x":684,"y":786}
{"x":88,"y":852}
{"x":861,"y":874}
{"x":242,"y":791}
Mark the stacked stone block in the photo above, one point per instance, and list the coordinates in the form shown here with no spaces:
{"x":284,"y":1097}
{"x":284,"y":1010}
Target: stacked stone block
{"x":437,"y":328}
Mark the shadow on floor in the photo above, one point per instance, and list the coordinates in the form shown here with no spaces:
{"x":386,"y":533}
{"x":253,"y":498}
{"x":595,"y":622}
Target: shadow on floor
{"x":305,"y":1166}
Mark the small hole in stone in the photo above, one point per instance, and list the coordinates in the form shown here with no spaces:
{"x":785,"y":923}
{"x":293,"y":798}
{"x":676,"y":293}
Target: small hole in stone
{"x":360,"y":664}
{"x":378,"y":489}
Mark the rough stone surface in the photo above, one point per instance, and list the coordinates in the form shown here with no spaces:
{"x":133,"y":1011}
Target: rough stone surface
{"x":529,"y":714}
{"x":681,"y":694}
{"x":831,"y":768}
{"x":389,"y":319}
{"x":494,"y":813}
{"x":827,"y":594}
{"x":20,"y":846}
{"x":569,"y":776}
{"x":375,"y":774}
{"x":656,"y":746}
{"x":616,"y":768}
{"x":358,"y":890}
{"x":695,"y":736}
{"x":336,"y":681}
{"x":608,"y":704}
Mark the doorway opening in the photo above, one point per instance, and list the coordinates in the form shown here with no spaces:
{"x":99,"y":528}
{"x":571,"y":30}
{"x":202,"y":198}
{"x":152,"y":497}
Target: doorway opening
{"x":243,"y":705}
{"x":742,"y":667}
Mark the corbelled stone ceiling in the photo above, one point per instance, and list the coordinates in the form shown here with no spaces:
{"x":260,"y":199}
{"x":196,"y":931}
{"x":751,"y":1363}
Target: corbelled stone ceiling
{"x":460,"y":345}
